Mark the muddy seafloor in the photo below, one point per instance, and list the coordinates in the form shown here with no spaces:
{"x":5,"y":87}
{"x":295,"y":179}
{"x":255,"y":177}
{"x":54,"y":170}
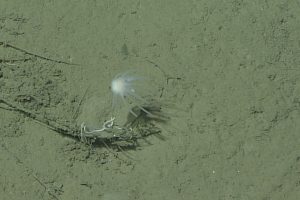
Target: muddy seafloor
{"x":226,"y":72}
